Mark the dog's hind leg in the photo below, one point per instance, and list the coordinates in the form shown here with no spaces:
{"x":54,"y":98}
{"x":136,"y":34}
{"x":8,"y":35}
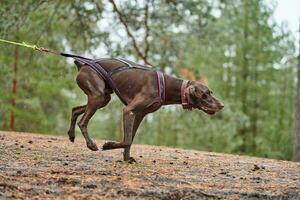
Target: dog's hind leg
{"x":76,"y":111}
{"x":94,"y":87}
{"x":94,"y":102}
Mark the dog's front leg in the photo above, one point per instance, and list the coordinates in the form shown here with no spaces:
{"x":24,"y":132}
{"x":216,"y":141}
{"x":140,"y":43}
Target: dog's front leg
{"x":137,"y":120}
{"x":128,"y":123}
{"x":133,"y":114}
{"x":129,"y":118}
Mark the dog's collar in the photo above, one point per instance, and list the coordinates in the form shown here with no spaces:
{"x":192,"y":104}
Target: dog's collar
{"x":184,"y":99}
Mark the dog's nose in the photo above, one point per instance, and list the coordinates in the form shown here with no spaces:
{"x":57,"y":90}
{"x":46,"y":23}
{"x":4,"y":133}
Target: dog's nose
{"x":221,"y":105}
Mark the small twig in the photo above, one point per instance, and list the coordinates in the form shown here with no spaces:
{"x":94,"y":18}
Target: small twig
{"x":147,"y":30}
{"x":123,"y":20}
{"x":97,"y":6}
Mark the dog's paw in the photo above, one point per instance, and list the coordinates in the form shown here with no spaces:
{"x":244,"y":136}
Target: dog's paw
{"x":107,"y":146}
{"x":131,"y":160}
{"x":72,"y":139}
{"x":92,"y":146}
{"x":71,"y":136}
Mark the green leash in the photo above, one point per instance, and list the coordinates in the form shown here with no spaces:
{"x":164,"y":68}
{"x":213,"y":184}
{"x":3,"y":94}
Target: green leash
{"x":23,"y":44}
{"x":34,"y":47}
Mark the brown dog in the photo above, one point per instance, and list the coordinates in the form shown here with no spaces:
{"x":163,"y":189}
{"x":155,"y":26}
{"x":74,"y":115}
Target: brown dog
{"x":139,"y":90}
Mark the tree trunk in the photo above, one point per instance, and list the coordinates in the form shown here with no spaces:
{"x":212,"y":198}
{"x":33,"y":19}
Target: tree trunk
{"x":14,"y":89}
{"x":297,"y":112}
{"x":244,"y":77}
{"x":254,"y":92}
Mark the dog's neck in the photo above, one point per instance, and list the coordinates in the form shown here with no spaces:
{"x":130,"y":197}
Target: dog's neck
{"x":173,"y":90}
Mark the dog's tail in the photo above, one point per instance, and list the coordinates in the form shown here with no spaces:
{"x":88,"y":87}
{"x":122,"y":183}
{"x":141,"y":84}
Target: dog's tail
{"x":78,"y":64}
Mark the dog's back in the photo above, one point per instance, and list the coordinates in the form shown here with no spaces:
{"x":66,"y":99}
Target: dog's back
{"x":131,"y":81}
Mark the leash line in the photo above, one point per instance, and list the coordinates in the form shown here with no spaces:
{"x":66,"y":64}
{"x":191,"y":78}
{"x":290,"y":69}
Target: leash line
{"x":34,"y":47}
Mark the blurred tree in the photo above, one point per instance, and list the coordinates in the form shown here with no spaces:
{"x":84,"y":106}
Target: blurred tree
{"x":42,"y":77}
{"x":297,"y":111}
{"x":249,"y":66}
{"x":233,"y":46}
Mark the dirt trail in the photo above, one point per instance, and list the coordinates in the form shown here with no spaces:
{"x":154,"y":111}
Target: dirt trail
{"x":37,"y":167}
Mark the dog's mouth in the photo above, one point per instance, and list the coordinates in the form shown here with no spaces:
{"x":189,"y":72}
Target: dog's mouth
{"x":208,"y":110}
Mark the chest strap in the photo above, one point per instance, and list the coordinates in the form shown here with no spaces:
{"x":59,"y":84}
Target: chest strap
{"x":161,"y":86}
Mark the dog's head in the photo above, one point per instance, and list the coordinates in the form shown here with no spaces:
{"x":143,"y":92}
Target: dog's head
{"x":200,"y":96}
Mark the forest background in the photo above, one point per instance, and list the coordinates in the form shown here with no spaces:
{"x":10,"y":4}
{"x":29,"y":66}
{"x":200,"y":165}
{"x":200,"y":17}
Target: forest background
{"x":235,"y":47}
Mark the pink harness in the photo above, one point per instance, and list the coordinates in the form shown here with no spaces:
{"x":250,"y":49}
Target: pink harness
{"x":107,"y":76}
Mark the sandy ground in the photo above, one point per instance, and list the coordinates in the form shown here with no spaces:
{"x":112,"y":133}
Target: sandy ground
{"x":36,"y":166}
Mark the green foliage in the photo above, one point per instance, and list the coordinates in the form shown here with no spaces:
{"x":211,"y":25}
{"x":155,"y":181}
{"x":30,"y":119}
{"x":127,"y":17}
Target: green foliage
{"x":247,"y":59}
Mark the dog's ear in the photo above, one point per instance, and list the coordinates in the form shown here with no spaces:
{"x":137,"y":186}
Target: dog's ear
{"x":192,"y":96}
{"x":192,"y":90}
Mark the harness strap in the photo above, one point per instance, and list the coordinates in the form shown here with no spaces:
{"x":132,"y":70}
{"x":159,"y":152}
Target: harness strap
{"x":100,"y":59}
{"x":123,"y":61}
{"x":161,"y":86}
{"x":126,"y":67}
{"x":118,"y":69}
